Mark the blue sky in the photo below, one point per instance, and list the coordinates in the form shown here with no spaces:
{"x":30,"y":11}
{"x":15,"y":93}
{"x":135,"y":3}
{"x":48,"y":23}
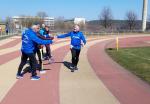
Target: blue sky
{"x":89,"y":9}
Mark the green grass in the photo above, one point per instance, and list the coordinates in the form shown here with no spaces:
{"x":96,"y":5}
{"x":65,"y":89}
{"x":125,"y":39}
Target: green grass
{"x":136,"y":60}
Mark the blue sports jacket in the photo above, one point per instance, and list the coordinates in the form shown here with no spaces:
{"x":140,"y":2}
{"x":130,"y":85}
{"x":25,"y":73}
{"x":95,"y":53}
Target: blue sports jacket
{"x":76,"y":38}
{"x":42,"y":32}
{"x":29,"y":41}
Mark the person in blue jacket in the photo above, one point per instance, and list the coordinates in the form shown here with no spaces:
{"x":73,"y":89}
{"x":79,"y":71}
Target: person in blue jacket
{"x":46,"y":33}
{"x":29,"y":41}
{"x":77,"y":38}
{"x":42,"y":31}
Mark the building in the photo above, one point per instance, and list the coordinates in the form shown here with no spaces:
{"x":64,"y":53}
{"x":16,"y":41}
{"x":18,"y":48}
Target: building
{"x":49,"y":21}
{"x":79,"y":21}
{"x":16,"y":20}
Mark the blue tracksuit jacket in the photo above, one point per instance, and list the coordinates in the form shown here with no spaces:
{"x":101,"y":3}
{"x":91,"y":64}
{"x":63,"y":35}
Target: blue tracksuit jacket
{"x":76,"y":38}
{"x":29,"y":38}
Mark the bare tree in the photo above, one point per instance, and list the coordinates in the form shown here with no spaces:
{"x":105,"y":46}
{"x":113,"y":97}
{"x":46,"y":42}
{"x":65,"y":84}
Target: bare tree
{"x":106,"y":17}
{"x":82,"y":26}
{"x":42,"y":14}
{"x":131,"y":19}
{"x":28,"y":21}
{"x":9,"y":24}
{"x":59,"y":23}
{"x":68,"y":26}
{"x":8,"y":20}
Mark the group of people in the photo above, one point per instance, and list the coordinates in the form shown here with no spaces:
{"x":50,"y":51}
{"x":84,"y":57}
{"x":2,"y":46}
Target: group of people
{"x":33,"y":40}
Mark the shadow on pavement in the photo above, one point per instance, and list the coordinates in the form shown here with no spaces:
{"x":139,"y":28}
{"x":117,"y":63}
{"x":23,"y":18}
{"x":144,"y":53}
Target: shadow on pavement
{"x":66,"y":64}
{"x":28,"y":70}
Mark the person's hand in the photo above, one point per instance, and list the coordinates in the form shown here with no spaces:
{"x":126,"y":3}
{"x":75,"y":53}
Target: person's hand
{"x":51,"y":38}
{"x":55,"y":38}
{"x":40,"y":46}
{"x":82,"y":44}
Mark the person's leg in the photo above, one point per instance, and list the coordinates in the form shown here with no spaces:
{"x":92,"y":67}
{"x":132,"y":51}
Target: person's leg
{"x":24,"y":58}
{"x":48,"y":51}
{"x":77,"y":56}
{"x":33,"y":63}
{"x":42,"y":53}
{"x":51,"y":53}
{"x":40,"y":59}
{"x":73,"y":53}
{"x":39,"y":55}
{"x":40,"y":66}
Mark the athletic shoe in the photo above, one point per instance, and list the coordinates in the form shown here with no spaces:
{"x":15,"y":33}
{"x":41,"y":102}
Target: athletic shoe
{"x":35,"y":78}
{"x":71,"y":67}
{"x":46,"y":58}
{"x":76,"y":68}
{"x":42,"y":71}
{"x":72,"y":70}
{"x":19,"y":76}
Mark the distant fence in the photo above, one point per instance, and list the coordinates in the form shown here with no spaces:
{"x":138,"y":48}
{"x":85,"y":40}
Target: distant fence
{"x":18,"y":32}
{"x":5,"y":34}
{"x":107,"y":33}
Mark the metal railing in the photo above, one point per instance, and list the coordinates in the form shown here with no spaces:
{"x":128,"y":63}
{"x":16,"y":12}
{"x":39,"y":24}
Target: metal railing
{"x":6,"y":34}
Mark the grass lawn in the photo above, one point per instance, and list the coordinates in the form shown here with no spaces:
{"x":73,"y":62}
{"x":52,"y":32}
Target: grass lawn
{"x":136,"y":60}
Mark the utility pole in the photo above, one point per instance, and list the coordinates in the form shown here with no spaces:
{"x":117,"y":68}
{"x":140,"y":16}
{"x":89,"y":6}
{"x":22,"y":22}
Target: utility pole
{"x":144,"y":14}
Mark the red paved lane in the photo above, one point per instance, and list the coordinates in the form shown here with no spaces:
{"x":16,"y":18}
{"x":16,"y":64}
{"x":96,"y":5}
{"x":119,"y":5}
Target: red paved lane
{"x":9,"y":56}
{"x":10,"y":44}
{"x":44,"y":91}
{"x":126,"y":87}
{"x":12,"y":55}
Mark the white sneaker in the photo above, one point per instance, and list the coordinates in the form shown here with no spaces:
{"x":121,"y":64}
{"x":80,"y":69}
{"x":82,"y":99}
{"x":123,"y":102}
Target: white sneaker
{"x":19,"y":76}
{"x":42,"y":72}
{"x":34,"y":78}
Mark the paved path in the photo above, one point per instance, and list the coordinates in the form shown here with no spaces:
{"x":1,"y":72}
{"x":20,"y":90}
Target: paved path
{"x":127,"y":88}
{"x":99,"y":80}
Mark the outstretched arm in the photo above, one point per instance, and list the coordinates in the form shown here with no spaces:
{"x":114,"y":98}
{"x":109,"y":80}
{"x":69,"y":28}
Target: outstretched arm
{"x":44,"y":38}
{"x":64,"y":35}
{"x":36,"y":39}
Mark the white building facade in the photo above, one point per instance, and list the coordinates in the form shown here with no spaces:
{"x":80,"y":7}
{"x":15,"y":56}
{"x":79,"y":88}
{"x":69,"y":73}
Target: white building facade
{"x":49,"y":21}
{"x":79,"y":21}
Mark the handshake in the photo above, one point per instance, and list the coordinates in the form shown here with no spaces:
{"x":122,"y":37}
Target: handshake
{"x":54,"y":38}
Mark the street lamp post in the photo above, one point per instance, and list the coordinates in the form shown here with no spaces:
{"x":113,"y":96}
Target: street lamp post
{"x":144,"y":15}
